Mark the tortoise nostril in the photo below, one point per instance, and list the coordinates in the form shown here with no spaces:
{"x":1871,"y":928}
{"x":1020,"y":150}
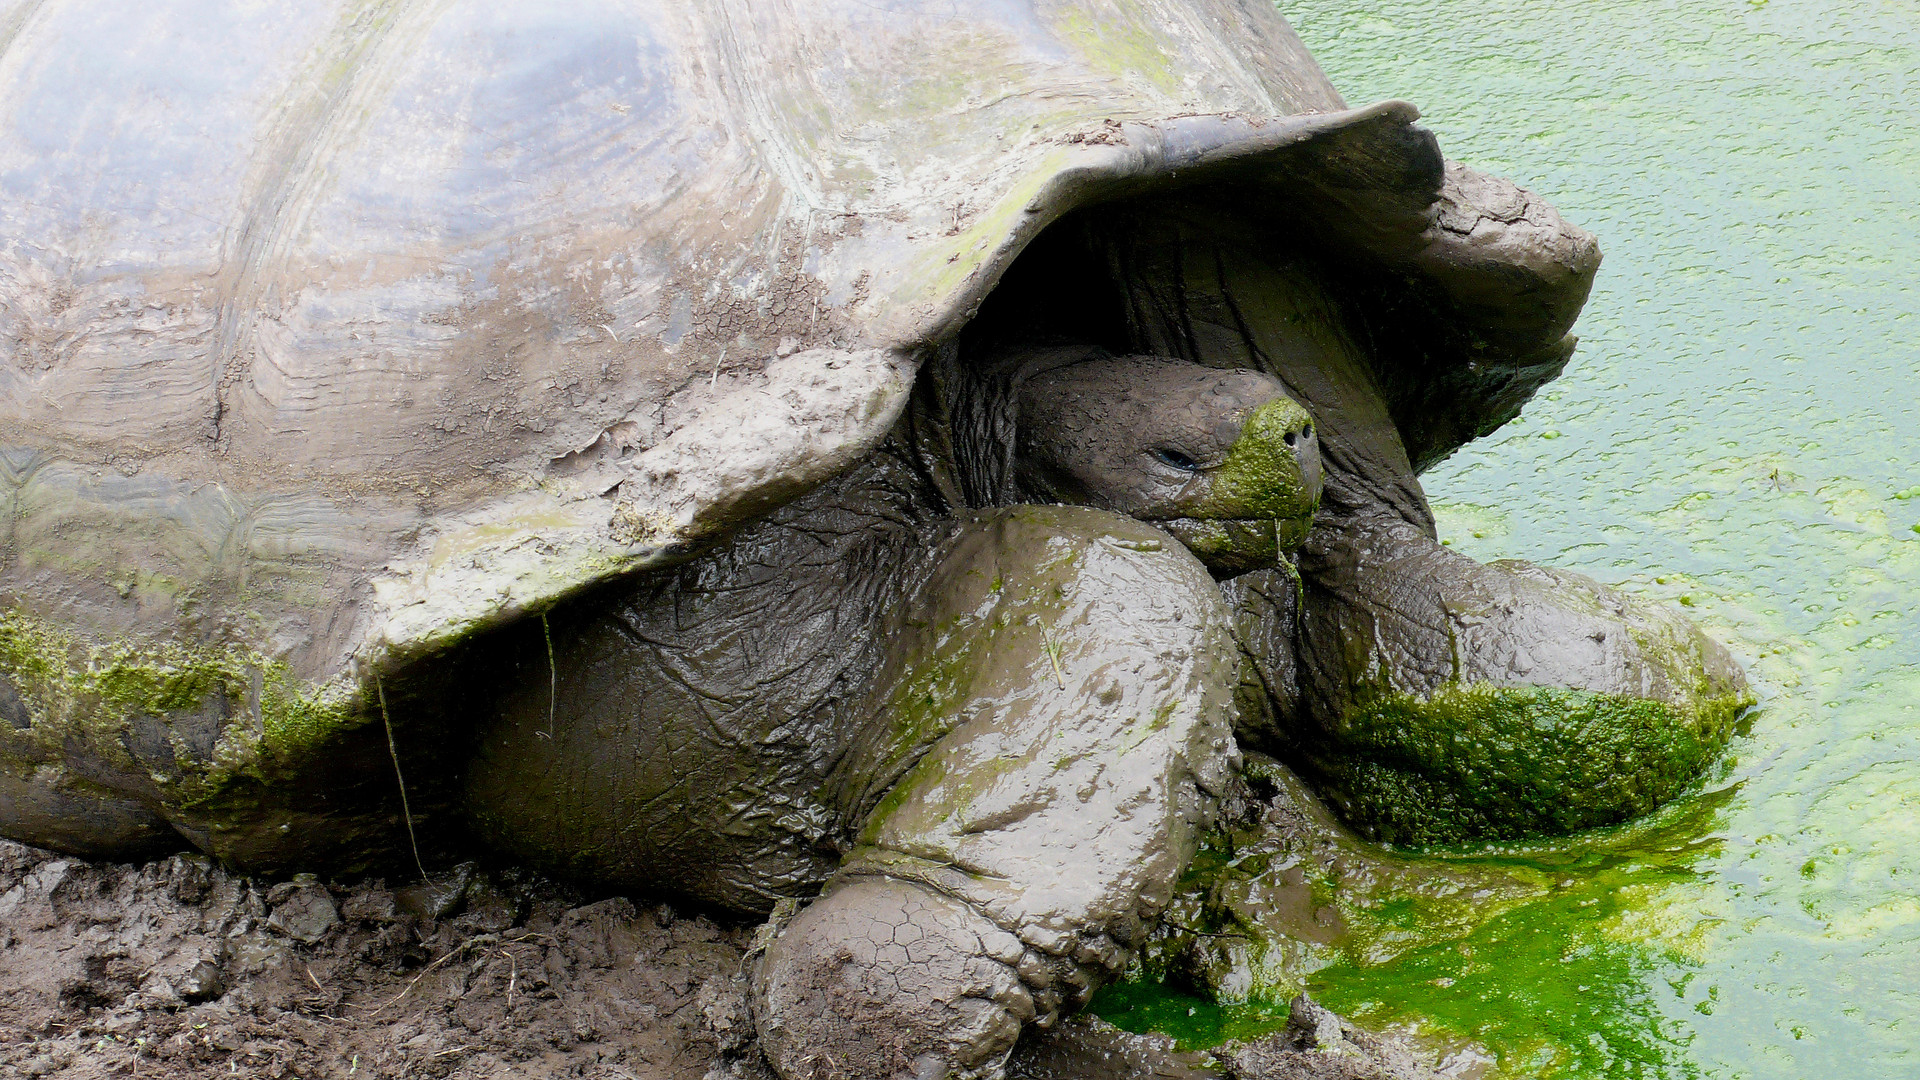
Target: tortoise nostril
{"x":1307,"y":432}
{"x":1291,"y":438}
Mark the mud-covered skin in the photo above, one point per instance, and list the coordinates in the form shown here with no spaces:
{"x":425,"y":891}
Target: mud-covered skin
{"x":879,"y":980}
{"x":1050,"y":822}
{"x":726,"y":729}
{"x":1026,"y":733}
{"x":1095,"y":666}
{"x":1438,"y":699}
{"x":687,"y":737}
{"x":983,"y":725}
{"x":1224,"y":474}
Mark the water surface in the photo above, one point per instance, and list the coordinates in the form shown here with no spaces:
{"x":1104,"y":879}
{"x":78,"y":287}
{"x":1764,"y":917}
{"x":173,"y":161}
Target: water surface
{"x":1737,"y":434}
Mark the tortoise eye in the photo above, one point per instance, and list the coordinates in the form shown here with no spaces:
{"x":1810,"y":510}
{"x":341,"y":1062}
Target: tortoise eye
{"x":1176,"y":459}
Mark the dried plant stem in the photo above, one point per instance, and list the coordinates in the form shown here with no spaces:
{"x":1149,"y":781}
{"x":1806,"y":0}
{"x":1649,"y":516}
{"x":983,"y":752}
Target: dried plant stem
{"x":553,"y":676}
{"x":406,"y":811}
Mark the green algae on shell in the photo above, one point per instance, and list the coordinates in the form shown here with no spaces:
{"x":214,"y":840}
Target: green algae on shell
{"x":226,"y":747}
{"x":90,"y":693}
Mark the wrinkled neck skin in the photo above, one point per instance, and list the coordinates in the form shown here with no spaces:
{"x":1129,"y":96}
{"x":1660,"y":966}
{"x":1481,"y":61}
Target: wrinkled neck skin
{"x":1195,"y":292}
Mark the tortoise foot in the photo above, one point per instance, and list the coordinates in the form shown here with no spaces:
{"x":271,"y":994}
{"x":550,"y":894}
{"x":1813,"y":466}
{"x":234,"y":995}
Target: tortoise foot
{"x":1513,"y":701}
{"x":883,"y":979}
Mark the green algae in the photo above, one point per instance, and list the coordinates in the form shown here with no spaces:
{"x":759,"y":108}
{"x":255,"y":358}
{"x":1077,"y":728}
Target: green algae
{"x":1735,"y":430}
{"x":219,"y":742}
{"x":1256,"y":504}
{"x":1289,"y":901}
{"x":1122,"y":46}
{"x":1580,"y":909}
{"x":1195,"y":1021}
{"x":1232,"y":545}
{"x":1507,"y":762}
{"x":93,"y":690}
{"x":1276,"y":895}
{"x":1259,"y":478}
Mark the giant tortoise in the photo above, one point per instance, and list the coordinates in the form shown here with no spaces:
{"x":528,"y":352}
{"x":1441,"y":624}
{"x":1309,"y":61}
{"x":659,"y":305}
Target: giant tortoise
{"x":886,"y":455}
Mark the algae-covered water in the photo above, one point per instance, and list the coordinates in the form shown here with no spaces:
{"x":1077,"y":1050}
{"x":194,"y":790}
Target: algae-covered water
{"x":1738,"y":434}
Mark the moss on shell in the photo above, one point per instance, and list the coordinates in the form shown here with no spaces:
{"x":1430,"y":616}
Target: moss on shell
{"x":82,"y":700}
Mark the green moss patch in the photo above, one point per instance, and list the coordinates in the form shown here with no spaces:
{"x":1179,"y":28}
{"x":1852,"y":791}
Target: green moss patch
{"x":259,"y":719}
{"x":1280,"y":892}
{"x":1484,"y":762}
{"x":1259,"y":477}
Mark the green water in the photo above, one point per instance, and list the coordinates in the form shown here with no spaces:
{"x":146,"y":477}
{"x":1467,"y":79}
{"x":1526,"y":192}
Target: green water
{"x":1739,"y":434}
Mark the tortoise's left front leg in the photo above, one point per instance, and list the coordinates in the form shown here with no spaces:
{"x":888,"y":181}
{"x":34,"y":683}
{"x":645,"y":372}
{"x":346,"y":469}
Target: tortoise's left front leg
{"x":1057,"y":717}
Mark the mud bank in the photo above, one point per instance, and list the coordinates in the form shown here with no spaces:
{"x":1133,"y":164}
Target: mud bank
{"x":177,"y":969}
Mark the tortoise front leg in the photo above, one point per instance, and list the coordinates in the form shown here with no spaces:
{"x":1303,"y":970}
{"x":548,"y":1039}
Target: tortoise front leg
{"x":1449,"y":700}
{"x":1076,"y":671}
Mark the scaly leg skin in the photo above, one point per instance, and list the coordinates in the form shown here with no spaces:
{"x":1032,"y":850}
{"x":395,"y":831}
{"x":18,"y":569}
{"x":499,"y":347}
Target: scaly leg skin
{"x":1452,"y":701}
{"x":887,"y":978}
{"x":1059,"y":720}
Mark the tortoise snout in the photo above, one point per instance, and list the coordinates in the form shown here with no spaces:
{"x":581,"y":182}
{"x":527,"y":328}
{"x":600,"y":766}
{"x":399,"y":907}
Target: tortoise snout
{"x":1306,"y":453}
{"x":1287,"y":429}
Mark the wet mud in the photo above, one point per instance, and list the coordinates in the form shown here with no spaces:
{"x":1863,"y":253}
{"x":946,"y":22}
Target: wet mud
{"x":176,"y":969}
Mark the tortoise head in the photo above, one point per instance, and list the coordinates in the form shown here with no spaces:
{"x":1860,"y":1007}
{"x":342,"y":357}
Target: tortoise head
{"x":1222,"y":459}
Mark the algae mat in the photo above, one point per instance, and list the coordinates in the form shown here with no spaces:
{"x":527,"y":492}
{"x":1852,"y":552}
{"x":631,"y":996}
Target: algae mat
{"x":1738,"y":434}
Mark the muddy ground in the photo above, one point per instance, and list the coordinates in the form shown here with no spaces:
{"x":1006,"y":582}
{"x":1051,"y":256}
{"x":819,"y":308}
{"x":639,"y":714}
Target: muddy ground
{"x":177,"y":970}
